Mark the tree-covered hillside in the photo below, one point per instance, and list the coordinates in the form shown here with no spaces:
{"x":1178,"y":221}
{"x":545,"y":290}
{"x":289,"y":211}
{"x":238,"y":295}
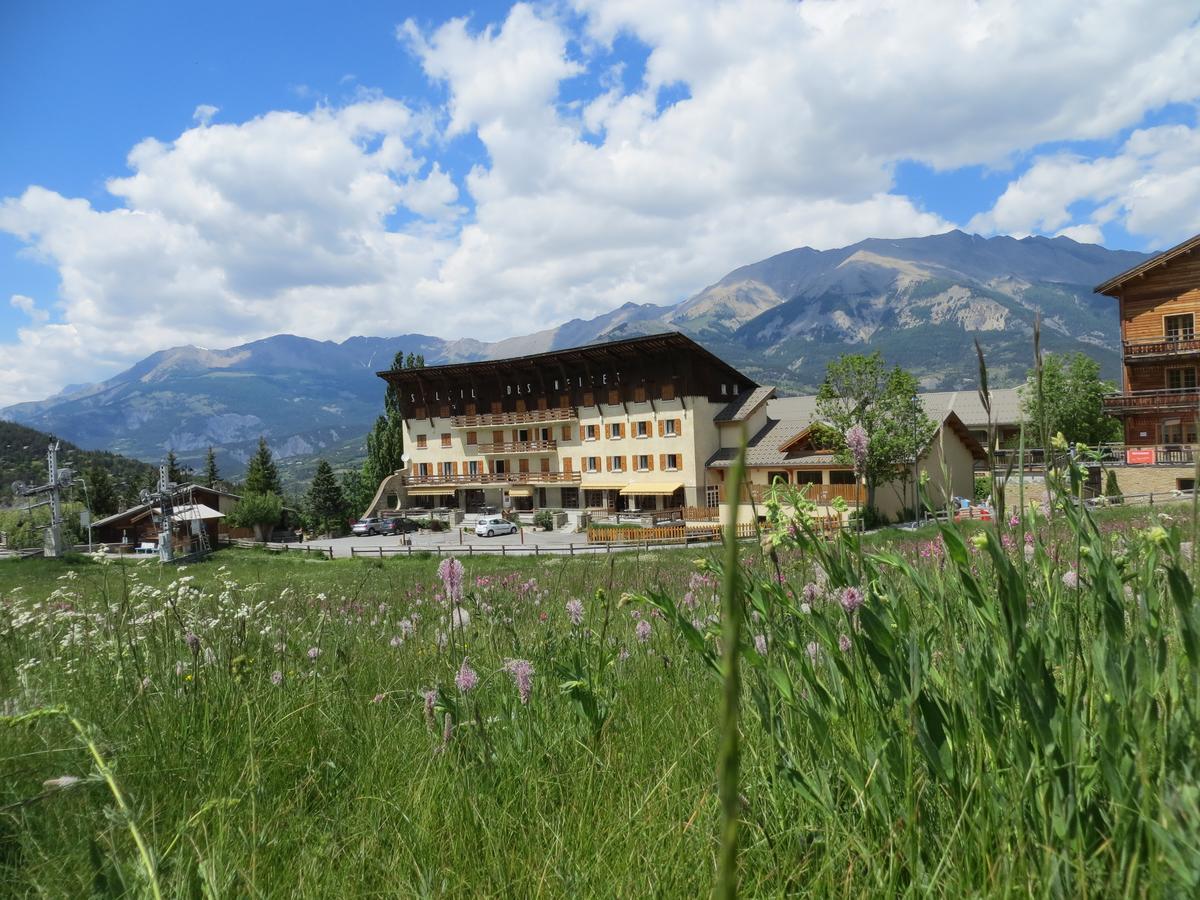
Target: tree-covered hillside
{"x":23,"y":458}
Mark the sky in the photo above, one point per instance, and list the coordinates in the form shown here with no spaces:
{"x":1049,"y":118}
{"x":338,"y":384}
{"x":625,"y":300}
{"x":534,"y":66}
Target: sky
{"x":214,"y":173}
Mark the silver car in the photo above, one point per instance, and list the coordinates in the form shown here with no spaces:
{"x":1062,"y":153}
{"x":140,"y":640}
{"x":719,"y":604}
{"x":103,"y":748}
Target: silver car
{"x":490,"y":526}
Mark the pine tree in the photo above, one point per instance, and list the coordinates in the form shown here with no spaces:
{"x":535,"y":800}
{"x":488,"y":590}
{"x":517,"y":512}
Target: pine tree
{"x":101,"y":494}
{"x":175,"y":472}
{"x":357,"y":491}
{"x":385,"y":443}
{"x":262,"y":476}
{"x":324,"y":502}
{"x":211,"y":475}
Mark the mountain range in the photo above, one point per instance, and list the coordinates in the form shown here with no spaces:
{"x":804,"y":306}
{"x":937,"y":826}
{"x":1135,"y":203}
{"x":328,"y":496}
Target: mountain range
{"x":920,"y":301}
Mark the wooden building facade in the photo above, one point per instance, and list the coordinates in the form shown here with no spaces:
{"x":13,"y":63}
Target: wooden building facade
{"x":1159,"y":311}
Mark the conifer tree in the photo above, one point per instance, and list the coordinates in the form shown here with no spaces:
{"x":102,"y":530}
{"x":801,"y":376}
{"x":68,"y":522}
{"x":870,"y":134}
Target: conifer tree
{"x":262,"y":476}
{"x":211,"y":475}
{"x":324,"y":502}
{"x":385,"y":443}
{"x":101,"y":495}
{"x":175,"y":472}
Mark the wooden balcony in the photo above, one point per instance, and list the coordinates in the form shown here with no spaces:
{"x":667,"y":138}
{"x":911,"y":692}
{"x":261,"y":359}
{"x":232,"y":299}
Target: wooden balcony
{"x":531,"y":416}
{"x":485,"y":478}
{"x":1168,"y":346}
{"x":513,"y":447}
{"x":1153,"y":401}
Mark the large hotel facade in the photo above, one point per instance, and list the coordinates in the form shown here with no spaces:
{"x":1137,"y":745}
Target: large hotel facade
{"x":623,"y":425}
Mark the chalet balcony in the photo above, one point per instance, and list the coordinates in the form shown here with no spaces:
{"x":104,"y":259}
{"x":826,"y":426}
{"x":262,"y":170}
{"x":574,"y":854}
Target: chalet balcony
{"x":487,"y":478}
{"x":514,"y":447}
{"x":1169,"y":346}
{"x":1158,"y":400}
{"x":529,"y":417}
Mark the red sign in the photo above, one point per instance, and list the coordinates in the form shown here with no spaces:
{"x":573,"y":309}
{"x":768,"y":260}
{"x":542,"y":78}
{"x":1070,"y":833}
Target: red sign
{"x":1140,"y":457}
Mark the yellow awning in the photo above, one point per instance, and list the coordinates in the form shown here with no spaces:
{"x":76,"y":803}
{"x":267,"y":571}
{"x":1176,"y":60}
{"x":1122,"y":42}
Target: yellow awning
{"x":423,"y":491}
{"x":651,"y":487}
{"x":520,"y":492}
{"x":603,"y":485}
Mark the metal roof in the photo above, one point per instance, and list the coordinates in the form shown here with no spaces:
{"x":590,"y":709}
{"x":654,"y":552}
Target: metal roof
{"x":743,"y":406}
{"x":1006,"y":407}
{"x":1143,"y":268}
{"x":663,"y":343}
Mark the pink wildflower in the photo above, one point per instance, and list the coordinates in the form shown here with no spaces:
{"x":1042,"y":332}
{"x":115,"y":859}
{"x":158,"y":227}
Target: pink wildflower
{"x":521,"y":671}
{"x":575,"y":611}
{"x":430,"y":700}
{"x":451,"y":572}
{"x":852,"y":599}
{"x":466,"y":679}
{"x":643,"y":630}
{"x":760,"y":644}
{"x":1071,"y":579}
{"x":277,"y":678}
{"x":314,"y":652}
{"x":844,"y":643}
{"x":856,"y":441}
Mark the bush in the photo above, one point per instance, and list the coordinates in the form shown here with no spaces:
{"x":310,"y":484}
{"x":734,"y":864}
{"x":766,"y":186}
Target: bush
{"x":258,"y":511}
{"x":544,"y":519}
{"x":983,"y":488}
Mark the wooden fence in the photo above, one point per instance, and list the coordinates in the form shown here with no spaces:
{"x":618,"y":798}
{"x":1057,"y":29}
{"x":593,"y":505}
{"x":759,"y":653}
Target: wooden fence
{"x":281,"y":548}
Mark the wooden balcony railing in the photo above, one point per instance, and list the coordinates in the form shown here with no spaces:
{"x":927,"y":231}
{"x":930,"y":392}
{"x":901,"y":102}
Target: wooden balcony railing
{"x":1108,"y":455}
{"x":496,"y":478}
{"x":1160,"y":399}
{"x":515,"y":447}
{"x":486,"y":420}
{"x":1182,"y":344}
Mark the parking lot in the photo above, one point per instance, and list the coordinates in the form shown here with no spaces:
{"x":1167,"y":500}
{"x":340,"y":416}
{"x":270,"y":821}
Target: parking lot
{"x":526,"y":541}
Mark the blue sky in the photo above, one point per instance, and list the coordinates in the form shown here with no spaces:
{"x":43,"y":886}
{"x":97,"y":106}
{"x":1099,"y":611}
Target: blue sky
{"x":484,"y":169}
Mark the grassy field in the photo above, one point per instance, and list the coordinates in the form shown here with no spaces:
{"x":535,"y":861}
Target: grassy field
{"x":1009,"y":718}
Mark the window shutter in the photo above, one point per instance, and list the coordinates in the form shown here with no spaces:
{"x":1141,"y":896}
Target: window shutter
{"x":662,"y":461}
{"x":661,"y":428}
{"x":566,"y":464}
{"x":472,"y":438}
{"x":679,"y":426}
{"x":566,"y":432}
{"x":650,"y":461}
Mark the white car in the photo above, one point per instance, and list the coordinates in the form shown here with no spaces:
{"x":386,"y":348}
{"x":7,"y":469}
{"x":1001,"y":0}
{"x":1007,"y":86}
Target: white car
{"x":489,"y":526}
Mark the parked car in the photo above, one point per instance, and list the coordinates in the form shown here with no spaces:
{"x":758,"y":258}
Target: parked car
{"x":489,"y":526}
{"x":404,"y":525}
{"x":370,"y":525}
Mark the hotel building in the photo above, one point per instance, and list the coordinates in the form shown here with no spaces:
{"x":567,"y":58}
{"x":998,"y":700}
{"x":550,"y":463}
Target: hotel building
{"x":624,"y":425}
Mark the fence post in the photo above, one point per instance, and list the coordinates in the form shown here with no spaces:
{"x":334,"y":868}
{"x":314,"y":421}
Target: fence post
{"x":571,"y":546}
{"x":502,"y":550}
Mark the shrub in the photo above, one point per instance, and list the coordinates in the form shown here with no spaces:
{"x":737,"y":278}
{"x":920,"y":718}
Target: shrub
{"x":544,"y":519}
{"x":1112,"y":490}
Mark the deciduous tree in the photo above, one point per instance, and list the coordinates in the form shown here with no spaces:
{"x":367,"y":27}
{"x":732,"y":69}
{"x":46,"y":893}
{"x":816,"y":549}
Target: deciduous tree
{"x":1073,"y":393}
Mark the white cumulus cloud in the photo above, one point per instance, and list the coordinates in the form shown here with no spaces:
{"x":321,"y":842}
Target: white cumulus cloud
{"x":758,"y":126}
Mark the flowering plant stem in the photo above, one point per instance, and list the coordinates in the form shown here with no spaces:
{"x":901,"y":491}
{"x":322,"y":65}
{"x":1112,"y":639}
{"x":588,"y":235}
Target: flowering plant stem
{"x":731,"y":636}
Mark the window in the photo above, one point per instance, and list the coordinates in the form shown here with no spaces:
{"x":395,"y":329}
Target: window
{"x":616,"y":464}
{"x":544,"y":434}
{"x":521,"y":434}
{"x":1179,"y":328}
{"x":421,"y":442}
{"x":667,"y":392}
{"x":643,"y":463}
{"x":446,"y":469}
{"x":443,"y":411}
{"x":589,"y":398}
{"x":1185,"y":484}
{"x":672,"y":462}
{"x":1181,"y":379}
{"x":614,"y":396}
{"x":472,"y":439}
{"x":808,"y":478}
{"x":671,"y":428}
{"x":777,"y":478}
{"x":591,"y":464}
{"x":545,"y":464}
{"x":591,"y":432}
{"x":445,"y":440}
{"x":724,"y":390}
{"x":641,"y":429}
{"x":566,"y":432}
{"x":639,"y":394}
{"x":1177,"y":431}
{"x":393,"y":501}
{"x":419,"y":412}
{"x":841,"y":476}
{"x":712,"y":496}
{"x":424,"y":470}
{"x":473,"y":467}
{"x":614,"y":431}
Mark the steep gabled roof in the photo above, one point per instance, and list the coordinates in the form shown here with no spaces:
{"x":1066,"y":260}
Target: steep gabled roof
{"x":1117,"y":281}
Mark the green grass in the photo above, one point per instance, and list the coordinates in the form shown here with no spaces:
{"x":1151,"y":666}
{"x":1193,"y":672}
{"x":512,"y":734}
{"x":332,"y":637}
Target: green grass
{"x":333,"y":783}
